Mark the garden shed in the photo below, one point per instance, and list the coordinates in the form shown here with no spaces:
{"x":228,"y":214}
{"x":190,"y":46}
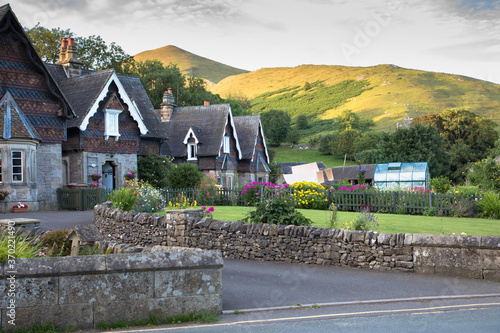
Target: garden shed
{"x":401,"y":175}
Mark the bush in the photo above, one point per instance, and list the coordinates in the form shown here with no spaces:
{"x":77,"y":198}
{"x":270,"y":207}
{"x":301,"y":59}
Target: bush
{"x":364,"y":221}
{"x":154,"y":169}
{"x":333,"y":218}
{"x":441,"y":184}
{"x":252,"y":193}
{"x":277,"y":210}
{"x":485,"y":174}
{"x":490,"y":205}
{"x":55,"y":244}
{"x":149,"y":199}
{"x":13,"y":244}
{"x":466,"y":191}
{"x":430,"y":211}
{"x":124,"y":198}
{"x":309,"y":195}
{"x":185,"y":175}
{"x":206,"y":191}
{"x":463,"y":207}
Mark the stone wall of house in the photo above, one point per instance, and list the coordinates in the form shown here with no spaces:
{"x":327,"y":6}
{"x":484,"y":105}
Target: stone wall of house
{"x":83,"y":291}
{"x":474,"y":256}
{"x":49,"y":175}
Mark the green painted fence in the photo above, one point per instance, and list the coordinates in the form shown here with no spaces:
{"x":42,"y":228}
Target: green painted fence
{"x":391,"y":202}
{"x":82,"y":198}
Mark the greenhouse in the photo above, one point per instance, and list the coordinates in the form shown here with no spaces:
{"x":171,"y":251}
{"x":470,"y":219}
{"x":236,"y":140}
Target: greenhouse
{"x":401,"y":175}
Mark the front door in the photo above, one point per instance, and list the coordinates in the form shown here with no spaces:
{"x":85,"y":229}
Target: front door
{"x":108,"y":176}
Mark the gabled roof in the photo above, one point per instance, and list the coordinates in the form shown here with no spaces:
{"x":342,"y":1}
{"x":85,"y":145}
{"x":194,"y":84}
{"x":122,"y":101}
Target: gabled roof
{"x":13,"y":122}
{"x":248,"y":128}
{"x":9,"y":19}
{"x":137,"y":93}
{"x":210,"y":120}
{"x":84,"y":93}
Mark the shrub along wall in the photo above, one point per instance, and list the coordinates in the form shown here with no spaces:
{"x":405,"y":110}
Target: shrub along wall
{"x":457,"y":255}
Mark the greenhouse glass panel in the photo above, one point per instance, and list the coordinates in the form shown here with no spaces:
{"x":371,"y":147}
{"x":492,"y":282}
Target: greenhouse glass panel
{"x":401,"y":175}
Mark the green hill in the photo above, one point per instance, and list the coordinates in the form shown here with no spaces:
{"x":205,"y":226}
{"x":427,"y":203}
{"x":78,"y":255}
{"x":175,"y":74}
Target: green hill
{"x":190,"y":63}
{"x":384,"y":93}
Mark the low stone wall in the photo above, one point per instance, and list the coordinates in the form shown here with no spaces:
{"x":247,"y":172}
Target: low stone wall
{"x":82,"y":291}
{"x":456,"y":255}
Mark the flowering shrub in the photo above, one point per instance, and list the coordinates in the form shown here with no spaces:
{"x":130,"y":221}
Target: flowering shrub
{"x":147,"y":198}
{"x":309,"y":195}
{"x":364,"y":221}
{"x":353,"y":188}
{"x":94,"y":185}
{"x":253,"y":192}
{"x":207,"y":212}
{"x":206,"y":191}
{"x":96,"y":175}
{"x":124,"y":198}
{"x":181,"y":203}
{"x":129,"y":175}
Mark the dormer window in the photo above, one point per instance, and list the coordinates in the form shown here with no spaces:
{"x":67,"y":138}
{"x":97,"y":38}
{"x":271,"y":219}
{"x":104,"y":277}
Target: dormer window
{"x":191,"y":141}
{"x":225,"y":145}
{"x":191,"y":151}
{"x":111,"y":123}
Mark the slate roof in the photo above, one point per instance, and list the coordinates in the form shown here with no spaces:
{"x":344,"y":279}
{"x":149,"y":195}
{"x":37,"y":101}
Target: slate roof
{"x":351,"y":172}
{"x":3,"y":10}
{"x":135,"y":90}
{"x":248,"y":129}
{"x":210,"y":120}
{"x":82,"y":91}
{"x":13,"y":122}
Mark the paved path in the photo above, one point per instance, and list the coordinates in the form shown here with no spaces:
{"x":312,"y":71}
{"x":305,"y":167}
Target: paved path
{"x":57,"y":219}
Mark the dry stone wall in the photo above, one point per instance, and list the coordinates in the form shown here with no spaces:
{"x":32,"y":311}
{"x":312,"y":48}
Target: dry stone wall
{"x":465,"y":256}
{"x":82,"y":291}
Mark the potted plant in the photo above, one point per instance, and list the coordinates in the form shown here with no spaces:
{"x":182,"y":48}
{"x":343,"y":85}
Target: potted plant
{"x":20,"y":208}
{"x":96,"y":176}
{"x":4,"y":194}
{"x":129,"y":175}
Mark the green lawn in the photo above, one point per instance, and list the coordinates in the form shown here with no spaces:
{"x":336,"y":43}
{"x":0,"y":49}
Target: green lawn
{"x":389,"y":223}
{"x":295,"y":155}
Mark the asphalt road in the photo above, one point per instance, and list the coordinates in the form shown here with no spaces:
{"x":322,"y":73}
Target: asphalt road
{"x":256,"y":284}
{"x":56,"y":219}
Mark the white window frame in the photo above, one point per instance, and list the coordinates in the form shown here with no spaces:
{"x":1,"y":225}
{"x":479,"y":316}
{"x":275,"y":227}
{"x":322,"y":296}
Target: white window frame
{"x":192,"y":151}
{"x":226,"y":147}
{"x":111,"y":119}
{"x":17,"y":166}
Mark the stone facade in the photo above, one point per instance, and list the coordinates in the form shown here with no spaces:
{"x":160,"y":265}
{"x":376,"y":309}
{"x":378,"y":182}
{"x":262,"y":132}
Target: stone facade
{"x":474,"y":256}
{"x":83,"y":291}
{"x":49,"y":175}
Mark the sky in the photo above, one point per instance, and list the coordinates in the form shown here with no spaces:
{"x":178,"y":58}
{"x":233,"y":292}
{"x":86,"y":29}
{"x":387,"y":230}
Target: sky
{"x":450,"y":36}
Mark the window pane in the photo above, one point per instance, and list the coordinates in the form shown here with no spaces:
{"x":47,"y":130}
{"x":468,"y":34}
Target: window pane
{"x":16,"y":154}
{"x":17,"y":177}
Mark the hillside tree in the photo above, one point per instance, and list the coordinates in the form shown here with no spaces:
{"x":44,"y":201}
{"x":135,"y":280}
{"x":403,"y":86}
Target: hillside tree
{"x":419,"y":143}
{"x":276,"y":124}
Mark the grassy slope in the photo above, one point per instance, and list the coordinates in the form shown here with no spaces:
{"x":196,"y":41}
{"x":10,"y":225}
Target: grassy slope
{"x":287,"y":154}
{"x":388,"y":223}
{"x":188,"y":62}
{"x":395,"y":92}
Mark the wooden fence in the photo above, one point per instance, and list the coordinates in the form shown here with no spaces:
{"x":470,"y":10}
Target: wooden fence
{"x":381,"y":201}
{"x":82,"y":198}
{"x":392,"y":202}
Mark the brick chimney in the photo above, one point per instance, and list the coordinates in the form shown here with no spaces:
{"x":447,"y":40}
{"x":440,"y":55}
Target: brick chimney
{"x":206,"y":103}
{"x":68,"y":57}
{"x":167,"y":106}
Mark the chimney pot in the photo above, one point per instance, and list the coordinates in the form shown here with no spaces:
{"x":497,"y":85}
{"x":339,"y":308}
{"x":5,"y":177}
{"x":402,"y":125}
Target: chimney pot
{"x":169,"y":90}
{"x":71,"y":41}
{"x":64,"y":42}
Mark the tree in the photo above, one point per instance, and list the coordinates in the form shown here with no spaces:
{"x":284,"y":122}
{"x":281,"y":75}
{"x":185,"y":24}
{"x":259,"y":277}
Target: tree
{"x":293,"y":137}
{"x":365,"y":146}
{"x":301,"y":122}
{"x":485,"y":174}
{"x":276,"y":124}
{"x":350,"y":120}
{"x":154,"y":169}
{"x":344,"y":144}
{"x":419,"y":143}
{"x":93,"y":51}
{"x":467,"y":137}
{"x":185,"y":175}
